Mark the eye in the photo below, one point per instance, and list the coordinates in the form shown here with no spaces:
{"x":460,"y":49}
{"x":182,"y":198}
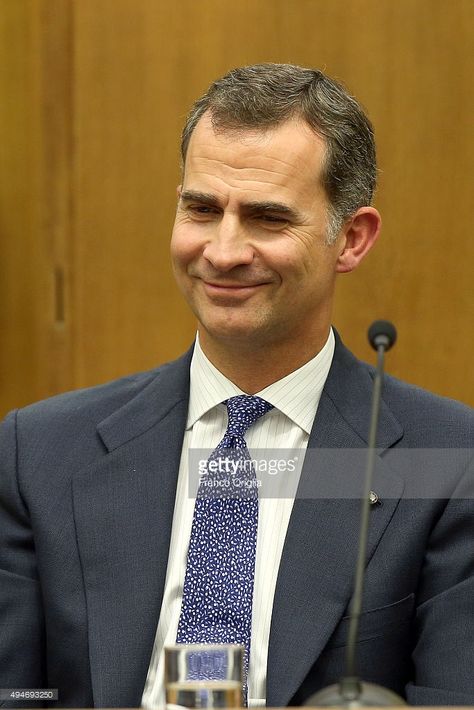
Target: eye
{"x":201,"y":211}
{"x":272,"y":221}
{"x":272,"y":218}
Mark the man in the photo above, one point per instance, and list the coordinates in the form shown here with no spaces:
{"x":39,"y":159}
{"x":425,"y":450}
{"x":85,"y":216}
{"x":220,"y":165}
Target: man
{"x":96,"y":523}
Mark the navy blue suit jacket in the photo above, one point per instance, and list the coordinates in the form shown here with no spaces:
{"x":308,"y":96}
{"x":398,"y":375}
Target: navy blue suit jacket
{"x":87,"y":489}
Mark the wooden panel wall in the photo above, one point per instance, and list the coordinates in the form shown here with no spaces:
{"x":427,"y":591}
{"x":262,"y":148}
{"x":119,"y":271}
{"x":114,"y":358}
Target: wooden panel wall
{"x":36,"y":344}
{"x":93,"y":95}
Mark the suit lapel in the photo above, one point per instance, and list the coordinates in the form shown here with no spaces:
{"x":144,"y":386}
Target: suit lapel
{"x":123,"y":507}
{"x":316,"y":572}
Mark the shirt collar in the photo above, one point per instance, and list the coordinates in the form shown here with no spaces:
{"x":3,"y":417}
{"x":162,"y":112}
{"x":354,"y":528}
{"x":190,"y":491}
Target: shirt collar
{"x":296,"y":395}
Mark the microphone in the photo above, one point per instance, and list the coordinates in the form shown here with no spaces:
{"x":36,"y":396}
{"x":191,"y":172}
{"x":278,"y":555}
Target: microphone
{"x":351,"y":691}
{"x":382,"y":332}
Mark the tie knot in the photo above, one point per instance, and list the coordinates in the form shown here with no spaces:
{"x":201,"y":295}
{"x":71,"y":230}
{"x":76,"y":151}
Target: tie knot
{"x":243,"y":411}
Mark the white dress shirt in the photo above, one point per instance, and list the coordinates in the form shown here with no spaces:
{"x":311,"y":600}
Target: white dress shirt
{"x":295,"y":399}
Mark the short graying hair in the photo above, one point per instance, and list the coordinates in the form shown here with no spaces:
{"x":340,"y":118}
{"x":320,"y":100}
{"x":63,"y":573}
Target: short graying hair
{"x":266,"y":95}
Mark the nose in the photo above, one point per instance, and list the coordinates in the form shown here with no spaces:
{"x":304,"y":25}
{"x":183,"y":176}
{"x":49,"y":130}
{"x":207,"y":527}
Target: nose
{"x":229,"y":245}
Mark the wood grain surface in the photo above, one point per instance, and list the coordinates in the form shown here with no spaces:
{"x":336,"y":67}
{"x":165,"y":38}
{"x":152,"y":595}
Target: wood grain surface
{"x":93,"y":97}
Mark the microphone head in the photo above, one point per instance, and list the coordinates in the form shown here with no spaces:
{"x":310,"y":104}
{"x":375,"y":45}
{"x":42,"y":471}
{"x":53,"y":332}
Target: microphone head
{"x":382,"y":333}
{"x":353,"y":693}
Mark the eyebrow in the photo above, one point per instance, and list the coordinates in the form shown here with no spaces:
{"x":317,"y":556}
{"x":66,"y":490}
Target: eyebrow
{"x":196,"y":196}
{"x":254,"y":206}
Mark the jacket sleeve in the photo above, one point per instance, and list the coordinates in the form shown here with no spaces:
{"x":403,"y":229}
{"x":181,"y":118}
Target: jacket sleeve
{"x":444,"y":652}
{"x":22,"y":643}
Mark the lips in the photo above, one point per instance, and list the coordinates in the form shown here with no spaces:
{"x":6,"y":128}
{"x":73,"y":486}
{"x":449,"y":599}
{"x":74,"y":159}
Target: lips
{"x":231,"y":285}
{"x":230,"y":290}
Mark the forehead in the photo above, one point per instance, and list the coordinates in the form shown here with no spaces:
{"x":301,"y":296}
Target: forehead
{"x":289,"y":157}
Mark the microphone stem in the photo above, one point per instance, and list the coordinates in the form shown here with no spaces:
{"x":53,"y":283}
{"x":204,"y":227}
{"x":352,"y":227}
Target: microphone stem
{"x":356,"y":603}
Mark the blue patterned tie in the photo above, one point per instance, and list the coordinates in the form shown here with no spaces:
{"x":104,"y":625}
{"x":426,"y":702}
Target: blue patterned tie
{"x":218,"y":586}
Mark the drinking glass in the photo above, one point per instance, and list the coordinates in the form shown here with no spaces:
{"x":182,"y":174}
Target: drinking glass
{"x":204,"y":676}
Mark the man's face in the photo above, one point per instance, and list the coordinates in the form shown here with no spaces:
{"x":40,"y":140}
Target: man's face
{"x":248,"y":245}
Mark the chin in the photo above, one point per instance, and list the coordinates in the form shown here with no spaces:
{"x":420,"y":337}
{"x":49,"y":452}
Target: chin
{"x":224,"y":330}
{"x":243,"y":332}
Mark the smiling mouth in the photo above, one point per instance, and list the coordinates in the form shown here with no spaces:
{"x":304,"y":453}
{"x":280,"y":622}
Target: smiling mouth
{"x":231,"y":286}
{"x":230,"y":289}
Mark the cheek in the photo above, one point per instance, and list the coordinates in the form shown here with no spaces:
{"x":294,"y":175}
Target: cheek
{"x":183,"y":247}
{"x":280,"y":252}
{"x":176,"y":247}
{"x":292,"y":261}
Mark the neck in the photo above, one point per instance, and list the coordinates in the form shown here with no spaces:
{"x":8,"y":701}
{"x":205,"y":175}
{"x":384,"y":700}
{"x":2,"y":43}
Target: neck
{"x":252,"y":368}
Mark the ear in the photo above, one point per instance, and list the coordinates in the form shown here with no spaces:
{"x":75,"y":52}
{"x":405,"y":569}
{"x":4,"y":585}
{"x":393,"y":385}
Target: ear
{"x":360,"y":235}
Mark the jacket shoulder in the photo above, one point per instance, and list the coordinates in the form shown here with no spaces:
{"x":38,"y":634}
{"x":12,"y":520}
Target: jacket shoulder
{"x":86,"y":407}
{"x":427,"y":419}
{"x":434,"y":420}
